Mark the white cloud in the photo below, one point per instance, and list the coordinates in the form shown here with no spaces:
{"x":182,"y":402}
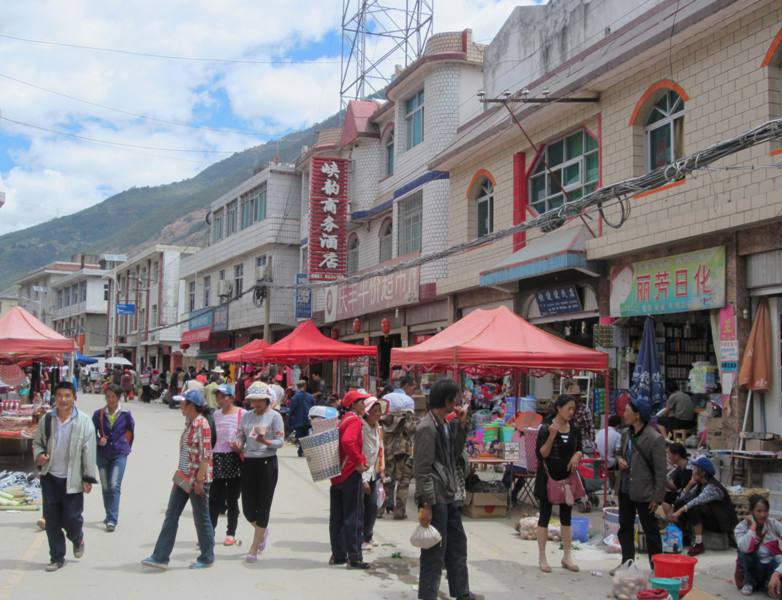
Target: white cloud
{"x":56,"y":175}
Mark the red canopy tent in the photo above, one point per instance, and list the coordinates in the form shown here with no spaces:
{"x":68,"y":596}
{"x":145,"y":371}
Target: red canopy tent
{"x":23,"y":337}
{"x":239,"y":354}
{"x":306,"y":344}
{"x":499,"y":338}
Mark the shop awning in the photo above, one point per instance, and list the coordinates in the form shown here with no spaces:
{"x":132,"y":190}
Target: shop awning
{"x":22,"y":337}
{"x":556,"y":251}
{"x":195,"y":336}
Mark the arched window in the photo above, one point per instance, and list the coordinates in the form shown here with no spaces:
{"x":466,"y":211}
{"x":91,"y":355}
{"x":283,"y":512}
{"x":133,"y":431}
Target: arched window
{"x":665,"y":131}
{"x":386,"y":240}
{"x":484,"y":207}
{"x":352,"y":254}
{"x":572,"y":165}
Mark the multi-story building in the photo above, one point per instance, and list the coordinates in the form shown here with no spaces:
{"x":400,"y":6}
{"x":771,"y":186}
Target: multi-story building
{"x":33,"y":287}
{"x":253,"y":232}
{"x":398,"y":205}
{"x":80,"y":308}
{"x":8,"y":299}
{"x":144,"y":299}
{"x":666,"y":81}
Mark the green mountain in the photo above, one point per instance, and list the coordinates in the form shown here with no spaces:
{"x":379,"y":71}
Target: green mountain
{"x":171,"y":213}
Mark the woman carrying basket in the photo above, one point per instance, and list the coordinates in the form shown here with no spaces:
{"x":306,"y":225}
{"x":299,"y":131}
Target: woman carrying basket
{"x":260,"y":435}
{"x":559,"y":452}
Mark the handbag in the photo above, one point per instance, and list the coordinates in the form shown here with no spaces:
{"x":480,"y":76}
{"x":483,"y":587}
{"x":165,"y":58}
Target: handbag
{"x":182,"y":480}
{"x":564,"y":491}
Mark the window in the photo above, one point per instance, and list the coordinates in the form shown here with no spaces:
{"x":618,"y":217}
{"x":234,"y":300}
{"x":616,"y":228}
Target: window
{"x":230,"y":219}
{"x":484,"y":203}
{"x":74,"y":294}
{"x":106,"y":292}
{"x":390,"y":155}
{"x":207,"y":289}
{"x":260,"y":203}
{"x":410,"y":217}
{"x":414,"y":119}
{"x":222,"y":275}
{"x":305,"y":256}
{"x":260,"y":261}
{"x":59,"y":298}
{"x":238,"y":279}
{"x":217,"y":226}
{"x":248,"y":210}
{"x":386,"y":240}
{"x":191,"y":295}
{"x":665,"y":131}
{"x":153,"y":316}
{"x":83,"y":291}
{"x":155,"y":272}
{"x":572,"y":166}
{"x":352,"y":254}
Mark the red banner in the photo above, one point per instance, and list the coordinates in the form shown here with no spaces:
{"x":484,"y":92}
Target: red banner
{"x":328,"y":218}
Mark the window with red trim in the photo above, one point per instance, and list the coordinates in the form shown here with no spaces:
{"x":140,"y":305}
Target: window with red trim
{"x":665,"y":131}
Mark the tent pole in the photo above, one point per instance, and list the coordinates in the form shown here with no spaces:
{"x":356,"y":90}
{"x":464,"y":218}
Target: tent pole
{"x":739,"y":443}
{"x":605,"y":427}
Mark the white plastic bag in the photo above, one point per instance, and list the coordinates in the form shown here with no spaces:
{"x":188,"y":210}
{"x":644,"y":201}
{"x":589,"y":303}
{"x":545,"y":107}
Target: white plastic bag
{"x":381,"y":494}
{"x":612,"y":544}
{"x":629,"y":579}
{"x":425,"y":537}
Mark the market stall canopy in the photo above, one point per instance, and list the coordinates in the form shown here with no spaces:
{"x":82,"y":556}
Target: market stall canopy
{"x":306,"y":344}
{"x":81,"y":359}
{"x":238,"y":355}
{"x":499,"y":338}
{"x":23,"y":337}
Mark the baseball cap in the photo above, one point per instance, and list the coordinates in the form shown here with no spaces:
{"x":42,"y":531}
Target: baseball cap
{"x":226,"y":389}
{"x":258,"y":390}
{"x":352,"y":397}
{"x":704,"y":464}
{"x":194,"y":397}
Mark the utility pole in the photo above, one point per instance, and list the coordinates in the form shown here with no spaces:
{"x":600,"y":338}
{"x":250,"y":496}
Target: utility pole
{"x":262,"y":295}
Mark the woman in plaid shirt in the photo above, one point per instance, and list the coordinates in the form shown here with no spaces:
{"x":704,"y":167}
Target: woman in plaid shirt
{"x":191,"y":482}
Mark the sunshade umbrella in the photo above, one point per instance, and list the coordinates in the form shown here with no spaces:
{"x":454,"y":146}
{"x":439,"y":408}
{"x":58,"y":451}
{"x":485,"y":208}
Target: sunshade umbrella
{"x":647,"y":382}
{"x":119,"y":360}
{"x":85,"y":360}
{"x":755,"y":372}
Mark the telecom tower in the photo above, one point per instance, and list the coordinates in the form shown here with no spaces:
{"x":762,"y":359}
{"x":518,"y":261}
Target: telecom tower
{"x":394,"y":31}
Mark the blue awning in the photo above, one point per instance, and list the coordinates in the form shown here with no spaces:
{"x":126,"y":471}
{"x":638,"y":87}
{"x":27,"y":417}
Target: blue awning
{"x":559,"y":250}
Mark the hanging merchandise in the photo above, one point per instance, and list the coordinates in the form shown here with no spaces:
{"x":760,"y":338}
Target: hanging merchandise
{"x":647,"y":381}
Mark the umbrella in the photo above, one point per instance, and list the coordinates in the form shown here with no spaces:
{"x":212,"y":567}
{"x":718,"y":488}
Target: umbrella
{"x":119,"y":360}
{"x":84,"y":360}
{"x":647,"y":381}
{"x":755,"y":372}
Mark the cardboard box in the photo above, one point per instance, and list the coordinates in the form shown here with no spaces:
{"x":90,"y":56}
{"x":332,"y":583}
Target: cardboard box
{"x":763,"y":445}
{"x":715,"y":437}
{"x":486,"y":505}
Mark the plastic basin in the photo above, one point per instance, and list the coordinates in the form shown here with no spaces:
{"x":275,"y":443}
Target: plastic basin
{"x":676,"y":566}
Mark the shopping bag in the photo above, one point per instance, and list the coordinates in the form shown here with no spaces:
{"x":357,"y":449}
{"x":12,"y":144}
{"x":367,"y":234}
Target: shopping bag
{"x":629,"y":579}
{"x":425,"y":537}
{"x":381,"y":493}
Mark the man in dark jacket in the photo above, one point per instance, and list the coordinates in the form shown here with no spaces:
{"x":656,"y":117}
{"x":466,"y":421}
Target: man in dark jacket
{"x":642,"y":464}
{"x":299,"y":415}
{"x":438,"y":449}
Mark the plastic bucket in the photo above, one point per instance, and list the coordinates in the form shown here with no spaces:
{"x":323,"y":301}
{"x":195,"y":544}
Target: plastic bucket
{"x":676,"y":566}
{"x":611,"y":521}
{"x":580,"y":529}
{"x":490,"y":434}
{"x":507,"y":434}
{"x":672,"y":586}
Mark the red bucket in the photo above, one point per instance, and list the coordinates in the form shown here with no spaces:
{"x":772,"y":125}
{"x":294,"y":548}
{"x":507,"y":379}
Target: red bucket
{"x":676,"y":566}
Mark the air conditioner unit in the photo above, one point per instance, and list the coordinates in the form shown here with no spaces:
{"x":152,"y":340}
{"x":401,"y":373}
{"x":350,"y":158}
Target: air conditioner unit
{"x":224,"y":288}
{"x":260,"y":273}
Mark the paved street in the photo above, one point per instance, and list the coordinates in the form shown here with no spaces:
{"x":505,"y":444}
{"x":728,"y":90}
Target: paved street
{"x":295,"y":563}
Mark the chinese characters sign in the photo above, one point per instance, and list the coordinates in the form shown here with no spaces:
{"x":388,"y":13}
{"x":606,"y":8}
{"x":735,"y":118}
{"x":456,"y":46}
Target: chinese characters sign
{"x":680,"y":283}
{"x":372,"y":295}
{"x":558,"y":300}
{"x":328,"y":218}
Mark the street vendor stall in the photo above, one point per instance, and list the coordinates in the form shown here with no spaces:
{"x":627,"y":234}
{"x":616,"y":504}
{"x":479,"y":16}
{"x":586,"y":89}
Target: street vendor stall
{"x":239,"y":355}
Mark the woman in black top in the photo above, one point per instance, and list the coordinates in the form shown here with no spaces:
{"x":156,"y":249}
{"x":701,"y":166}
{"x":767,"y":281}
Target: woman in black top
{"x":559,"y":447}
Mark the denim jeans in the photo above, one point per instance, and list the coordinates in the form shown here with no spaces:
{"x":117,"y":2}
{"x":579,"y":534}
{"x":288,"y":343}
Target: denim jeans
{"x":61,"y":511}
{"x":203,"y":525}
{"x":111,"y":472}
{"x":755,"y":572}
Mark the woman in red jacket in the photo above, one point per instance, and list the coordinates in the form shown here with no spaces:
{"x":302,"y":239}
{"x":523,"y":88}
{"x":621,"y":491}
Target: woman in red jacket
{"x":347,"y":493}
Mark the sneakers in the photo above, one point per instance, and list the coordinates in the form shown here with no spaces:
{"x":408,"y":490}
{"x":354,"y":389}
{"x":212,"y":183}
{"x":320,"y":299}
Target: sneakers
{"x":229,"y":540}
{"x":696,"y":549}
{"x":78,"y":550}
{"x":200,"y":565}
{"x":153,"y":564}
{"x":55,"y":566}
{"x":110,"y":526}
{"x":359,"y":564}
{"x":747,"y":590}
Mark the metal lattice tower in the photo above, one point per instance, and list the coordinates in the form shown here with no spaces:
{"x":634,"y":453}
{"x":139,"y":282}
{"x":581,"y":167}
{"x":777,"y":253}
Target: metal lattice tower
{"x":396,"y":32}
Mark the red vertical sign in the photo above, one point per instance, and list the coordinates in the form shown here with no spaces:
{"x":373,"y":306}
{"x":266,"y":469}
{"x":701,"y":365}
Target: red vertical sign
{"x":328,"y":218}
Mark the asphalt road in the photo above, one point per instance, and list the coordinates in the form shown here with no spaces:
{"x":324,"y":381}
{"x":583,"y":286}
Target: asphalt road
{"x":295,"y":564}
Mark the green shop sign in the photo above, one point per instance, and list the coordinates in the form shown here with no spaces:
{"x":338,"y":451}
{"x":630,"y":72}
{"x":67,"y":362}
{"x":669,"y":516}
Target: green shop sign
{"x":680,"y":283}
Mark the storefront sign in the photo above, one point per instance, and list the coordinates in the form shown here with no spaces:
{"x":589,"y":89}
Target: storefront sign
{"x":200,"y":318}
{"x":220,"y":318}
{"x":196,"y":336}
{"x":372,"y":295}
{"x":126,"y":309}
{"x":729,"y":354}
{"x":303,"y":298}
{"x":672,"y":284}
{"x":559,"y":300}
{"x":328,"y":218}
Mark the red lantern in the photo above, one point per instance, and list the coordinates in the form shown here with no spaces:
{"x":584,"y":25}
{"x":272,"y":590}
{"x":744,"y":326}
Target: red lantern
{"x":357,"y":325}
{"x":335,"y":333}
{"x":184,"y":345}
{"x":385,"y":325}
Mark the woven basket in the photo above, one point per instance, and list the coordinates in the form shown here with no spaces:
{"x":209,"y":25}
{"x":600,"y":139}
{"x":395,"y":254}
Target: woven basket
{"x":321,"y":425}
{"x":322,"y":453}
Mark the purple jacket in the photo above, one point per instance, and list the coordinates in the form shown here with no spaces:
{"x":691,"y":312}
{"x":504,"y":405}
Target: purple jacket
{"x":120,"y":436}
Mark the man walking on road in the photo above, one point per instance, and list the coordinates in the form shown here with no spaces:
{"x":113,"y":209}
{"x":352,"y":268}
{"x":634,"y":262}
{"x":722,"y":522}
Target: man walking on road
{"x":298,"y":417}
{"x":64,"y":449}
{"x":398,"y":432}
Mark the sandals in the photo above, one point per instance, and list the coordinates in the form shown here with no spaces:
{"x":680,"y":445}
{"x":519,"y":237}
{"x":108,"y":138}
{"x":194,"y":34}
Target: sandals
{"x":544,"y":567}
{"x":569,"y":566}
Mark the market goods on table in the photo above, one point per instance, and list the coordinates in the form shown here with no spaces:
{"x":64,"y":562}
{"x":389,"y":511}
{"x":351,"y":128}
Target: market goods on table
{"x":19,"y":491}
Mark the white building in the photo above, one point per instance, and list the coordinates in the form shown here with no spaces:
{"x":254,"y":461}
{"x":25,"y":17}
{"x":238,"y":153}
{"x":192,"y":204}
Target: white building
{"x":80,"y":308}
{"x":148,"y":285}
{"x":255,"y":225}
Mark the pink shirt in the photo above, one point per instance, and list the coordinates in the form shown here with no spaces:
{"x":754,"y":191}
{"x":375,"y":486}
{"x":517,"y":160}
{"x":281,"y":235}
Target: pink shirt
{"x":226,"y":426}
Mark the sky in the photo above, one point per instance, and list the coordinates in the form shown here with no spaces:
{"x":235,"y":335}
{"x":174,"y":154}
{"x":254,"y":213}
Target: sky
{"x":166,"y":119}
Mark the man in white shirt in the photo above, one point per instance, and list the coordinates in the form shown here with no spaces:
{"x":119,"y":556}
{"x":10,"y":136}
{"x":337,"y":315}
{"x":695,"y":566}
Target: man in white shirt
{"x":278,"y":391}
{"x":613,"y":440}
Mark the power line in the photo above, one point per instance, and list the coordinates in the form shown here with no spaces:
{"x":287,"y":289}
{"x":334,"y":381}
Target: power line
{"x":244,"y":61}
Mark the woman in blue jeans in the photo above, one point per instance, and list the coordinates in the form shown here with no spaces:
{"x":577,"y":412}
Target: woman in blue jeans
{"x":115,"y":429}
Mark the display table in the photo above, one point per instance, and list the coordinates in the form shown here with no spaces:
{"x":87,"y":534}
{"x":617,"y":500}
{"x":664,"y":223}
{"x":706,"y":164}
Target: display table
{"x":751,"y":459}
